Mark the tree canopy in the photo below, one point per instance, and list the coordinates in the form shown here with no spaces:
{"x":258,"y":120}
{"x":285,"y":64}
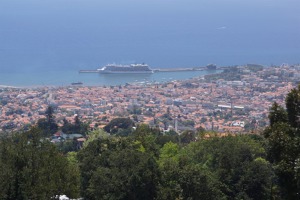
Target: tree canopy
{"x":33,"y":168}
{"x":119,"y":126}
{"x":48,"y":124}
{"x":283,"y":144}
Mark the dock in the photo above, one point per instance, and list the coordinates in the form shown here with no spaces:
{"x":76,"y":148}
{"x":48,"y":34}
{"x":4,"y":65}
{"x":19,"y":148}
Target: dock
{"x":154,"y":70}
{"x":176,"y":69}
{"x":88,"y":71}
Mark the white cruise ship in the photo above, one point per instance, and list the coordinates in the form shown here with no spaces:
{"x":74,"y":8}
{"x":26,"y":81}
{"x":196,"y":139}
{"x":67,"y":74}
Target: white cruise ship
{"x":126,"y":69}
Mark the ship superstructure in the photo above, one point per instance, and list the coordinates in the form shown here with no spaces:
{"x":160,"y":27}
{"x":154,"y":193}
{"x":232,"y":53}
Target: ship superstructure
{"x":126,"y":69}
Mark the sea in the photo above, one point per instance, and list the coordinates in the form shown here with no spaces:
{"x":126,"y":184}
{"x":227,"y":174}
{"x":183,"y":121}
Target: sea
{"x":66,"y":78}
{"x":47,"y":42}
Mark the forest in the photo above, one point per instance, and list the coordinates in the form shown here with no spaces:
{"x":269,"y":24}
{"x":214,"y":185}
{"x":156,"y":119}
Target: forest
{"x":146,"y":164}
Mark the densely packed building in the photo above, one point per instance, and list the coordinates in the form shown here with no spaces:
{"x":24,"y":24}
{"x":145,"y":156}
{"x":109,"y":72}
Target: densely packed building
{"x":219,"y":105}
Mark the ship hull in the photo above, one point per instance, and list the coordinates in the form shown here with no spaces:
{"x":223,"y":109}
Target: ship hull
{"x":124,"y":72}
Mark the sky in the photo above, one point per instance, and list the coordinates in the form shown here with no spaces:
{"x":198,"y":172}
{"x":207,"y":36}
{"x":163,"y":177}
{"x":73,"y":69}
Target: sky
{"x":74,"y":34}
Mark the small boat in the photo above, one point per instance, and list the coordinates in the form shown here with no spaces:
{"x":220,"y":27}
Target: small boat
{"x":77,"y":83}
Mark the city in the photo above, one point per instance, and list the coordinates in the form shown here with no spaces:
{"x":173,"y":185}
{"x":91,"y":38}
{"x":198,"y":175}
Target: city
{"x":235,"y":101}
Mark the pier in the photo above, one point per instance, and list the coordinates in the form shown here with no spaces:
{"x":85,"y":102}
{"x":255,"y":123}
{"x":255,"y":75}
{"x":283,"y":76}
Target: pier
{"x":88,"y":71}
{"x":155,"y":70}
{"x":176,"y":69}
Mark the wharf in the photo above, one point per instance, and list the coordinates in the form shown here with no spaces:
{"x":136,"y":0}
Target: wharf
{"x":155,"y":70}
{"x":88,"y":71}
{"x":176,"y":69}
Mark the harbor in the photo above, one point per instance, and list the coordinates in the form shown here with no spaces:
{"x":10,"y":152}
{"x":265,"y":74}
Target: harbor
{"x":178,"y":69}
{"x":155,"y":70}
{"x":88,"y":71}
{"x":94,"y":78}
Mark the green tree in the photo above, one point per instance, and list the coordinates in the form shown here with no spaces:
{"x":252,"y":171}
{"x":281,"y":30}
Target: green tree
{"x":198,"y":183}
{"x":277,"y":114}
{"x":283,"y":144}
{"x":142,"y":130}
{"x":116,"y":169}
{"x":48,"y":124}
{"x":67,"y":127}
{"x":148,"y":137}
{"x":136,"y":179}
{"x":95,"y":135}
{"x":256,"y":183}
{"x":78,"y":126}
{"x":32,"y":168}
{"x":188,"y":136}
{"x":169,"y":167}
{"x":293,"y":106}
{"x":283,"y":152}
{"x":120,"y":126}
{"x":229,"y":160}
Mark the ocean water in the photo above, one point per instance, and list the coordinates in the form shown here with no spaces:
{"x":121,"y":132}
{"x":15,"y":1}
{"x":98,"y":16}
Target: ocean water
{"x":47,"y":42}
{"x":66,"y":77}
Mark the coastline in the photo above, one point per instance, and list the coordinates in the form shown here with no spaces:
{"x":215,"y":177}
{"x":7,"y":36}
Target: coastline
{"x":8,"y":86}
{"x":66,"y":78}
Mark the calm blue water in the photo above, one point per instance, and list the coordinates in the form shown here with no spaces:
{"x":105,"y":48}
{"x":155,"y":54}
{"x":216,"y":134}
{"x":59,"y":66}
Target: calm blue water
{"x":65,"y":78}
{"x":47,"y":42}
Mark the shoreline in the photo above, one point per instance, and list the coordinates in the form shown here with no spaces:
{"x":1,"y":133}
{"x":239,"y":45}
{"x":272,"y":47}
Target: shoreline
{"x":8,"y":86}
{"x":92,"y":80}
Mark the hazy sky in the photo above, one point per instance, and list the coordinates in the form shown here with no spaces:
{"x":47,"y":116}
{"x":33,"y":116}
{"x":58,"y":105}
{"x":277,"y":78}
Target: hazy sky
{"x":160,"y":32}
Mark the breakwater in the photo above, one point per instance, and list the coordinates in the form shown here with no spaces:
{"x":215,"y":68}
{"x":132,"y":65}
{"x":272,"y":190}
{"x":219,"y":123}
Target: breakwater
{"x":155,"y":70}
{"x":88,"y":71}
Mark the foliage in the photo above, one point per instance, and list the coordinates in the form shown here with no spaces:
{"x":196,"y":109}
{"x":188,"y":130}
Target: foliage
{"x":228,"y":159}
{"x":116,"y":169}
{"x":169,"y":166}
{"x":293,"y":106}
{"x":78,"y":126}
{"x":187,"y":137}
{"x":283,"y":144}
{"x":32,"y":168}
{"x":69,"y":146}
{"x":198,"y":183}
{"x":94,"y":135}
{"x":277,"y":114}
{"x":119,"y":126}
{"x":138,"y":167}
{"x":48,"y":124}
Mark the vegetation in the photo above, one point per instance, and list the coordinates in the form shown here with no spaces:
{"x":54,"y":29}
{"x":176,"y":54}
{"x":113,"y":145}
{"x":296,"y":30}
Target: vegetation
{"x":48,"y":124}
{"x":78,"y":126}
{"x":119,"y":126}
{"x":283,"y":144}
{"x":141,"y":162}
{"x":32,"y":168}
